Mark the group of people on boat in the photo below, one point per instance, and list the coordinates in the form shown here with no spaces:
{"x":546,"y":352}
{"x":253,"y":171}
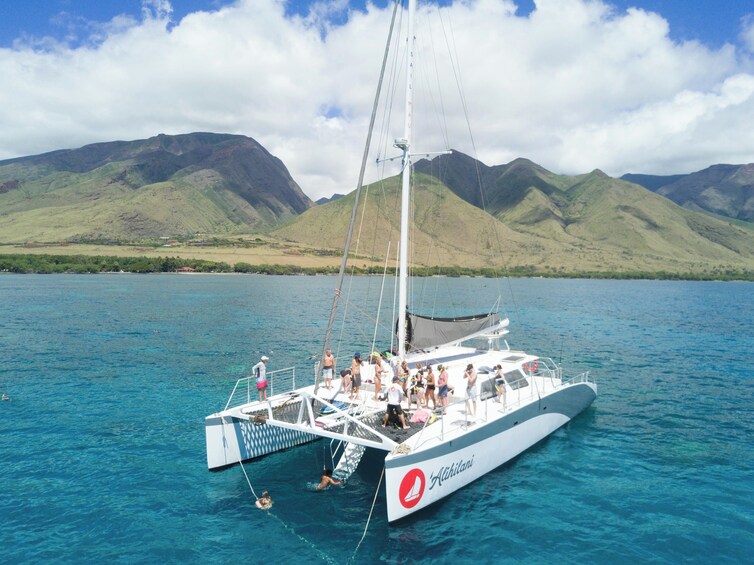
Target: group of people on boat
{"x":423,"y":386}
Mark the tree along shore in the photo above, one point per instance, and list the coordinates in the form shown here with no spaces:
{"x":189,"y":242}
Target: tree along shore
{"x":84,"y":264}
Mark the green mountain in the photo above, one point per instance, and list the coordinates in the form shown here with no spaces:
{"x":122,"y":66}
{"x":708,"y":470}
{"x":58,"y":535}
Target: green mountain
{"x":585,"y":222}
{"x":725,"y":190}
{"x":168,"y":185}
{"x":465,"y":213}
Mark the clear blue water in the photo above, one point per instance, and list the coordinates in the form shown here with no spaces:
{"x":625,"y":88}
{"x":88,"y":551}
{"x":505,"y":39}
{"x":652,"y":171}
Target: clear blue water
{"x":110,"y":376}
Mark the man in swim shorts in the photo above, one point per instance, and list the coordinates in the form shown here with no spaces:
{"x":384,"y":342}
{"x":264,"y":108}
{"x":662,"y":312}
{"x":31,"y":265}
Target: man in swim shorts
{"x":394,"y":397}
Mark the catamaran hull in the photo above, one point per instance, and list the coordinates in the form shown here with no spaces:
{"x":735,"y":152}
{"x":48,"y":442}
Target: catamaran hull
{"x":416,"y":480}
{"x":231,"y":440}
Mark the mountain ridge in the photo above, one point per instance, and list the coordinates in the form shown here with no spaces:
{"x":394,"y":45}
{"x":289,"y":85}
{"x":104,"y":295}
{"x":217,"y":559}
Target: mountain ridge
{"x":164,"y":185}
{"x":224,"y":185}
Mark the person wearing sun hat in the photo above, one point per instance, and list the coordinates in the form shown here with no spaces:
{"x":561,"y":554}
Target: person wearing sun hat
{"x":259,"y":372}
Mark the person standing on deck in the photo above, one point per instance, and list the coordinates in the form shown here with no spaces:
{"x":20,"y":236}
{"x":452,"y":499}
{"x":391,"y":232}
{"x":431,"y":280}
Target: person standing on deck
{"x":404,"y":375}
{"x":385,"y":372}
{"x":394,"y":397}
{"x":328,"y":368}
{"x":378,"y":369}
{"x":417,"y":390}
{"x":442,"y":390}
{"x":430,"y":394}
{"x":470,"y":374}
{"x":500,"y":385}
{"x":259,"y":372}
{"x":356,"y":374}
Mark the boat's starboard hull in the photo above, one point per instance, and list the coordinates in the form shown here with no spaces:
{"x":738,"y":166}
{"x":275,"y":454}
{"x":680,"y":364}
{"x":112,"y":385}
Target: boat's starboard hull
{"x":416,"y":480}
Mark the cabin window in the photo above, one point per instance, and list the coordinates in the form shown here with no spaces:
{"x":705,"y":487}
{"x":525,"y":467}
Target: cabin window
{"x":516,"y":380}
{"x":487,"y":389}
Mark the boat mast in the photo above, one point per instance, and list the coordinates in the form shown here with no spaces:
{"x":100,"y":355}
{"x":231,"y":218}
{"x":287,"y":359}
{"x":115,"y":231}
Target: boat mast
{"x":404,"y":144}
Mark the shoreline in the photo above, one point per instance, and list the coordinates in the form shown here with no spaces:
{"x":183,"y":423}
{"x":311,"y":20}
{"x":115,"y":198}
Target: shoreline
{"x":29,"y":263}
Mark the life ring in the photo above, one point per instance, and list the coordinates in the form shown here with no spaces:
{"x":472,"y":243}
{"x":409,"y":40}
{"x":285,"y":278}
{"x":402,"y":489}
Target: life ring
{"x":531,"y":367}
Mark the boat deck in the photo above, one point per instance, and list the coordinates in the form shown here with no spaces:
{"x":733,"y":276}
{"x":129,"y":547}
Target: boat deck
{"x":331,"y":413}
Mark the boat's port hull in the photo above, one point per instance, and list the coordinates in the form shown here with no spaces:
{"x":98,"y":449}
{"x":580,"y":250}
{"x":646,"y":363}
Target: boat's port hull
{"x":415,"y":480}
{"x":231,"y":440}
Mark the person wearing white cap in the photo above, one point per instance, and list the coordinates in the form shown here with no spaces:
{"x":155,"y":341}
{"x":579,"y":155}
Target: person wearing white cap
{"x":394,"y":397}
{"x":259,"y":371}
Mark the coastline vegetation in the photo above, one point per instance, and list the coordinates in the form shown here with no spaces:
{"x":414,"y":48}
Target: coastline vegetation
{"x":90,"y":264}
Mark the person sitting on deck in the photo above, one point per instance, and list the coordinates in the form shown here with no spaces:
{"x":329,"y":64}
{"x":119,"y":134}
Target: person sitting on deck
{"x":264,"y":502}
{"x":394,"y":397}
{"x":326,"y":480}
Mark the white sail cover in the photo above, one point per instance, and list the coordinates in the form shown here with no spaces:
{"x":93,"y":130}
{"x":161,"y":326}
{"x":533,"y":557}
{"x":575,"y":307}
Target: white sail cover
{"x":425,"y":332}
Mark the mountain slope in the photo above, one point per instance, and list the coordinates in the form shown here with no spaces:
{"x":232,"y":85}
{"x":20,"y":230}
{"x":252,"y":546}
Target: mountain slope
{"x":725,"y":190}
{"x":162,"y":186}
{"x":445,"y":231}
{"x":595,"y":215}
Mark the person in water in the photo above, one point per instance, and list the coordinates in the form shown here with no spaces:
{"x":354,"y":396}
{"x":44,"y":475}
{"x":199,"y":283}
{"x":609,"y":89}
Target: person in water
{"x":264,"y":502}
{"x":325,"y":480}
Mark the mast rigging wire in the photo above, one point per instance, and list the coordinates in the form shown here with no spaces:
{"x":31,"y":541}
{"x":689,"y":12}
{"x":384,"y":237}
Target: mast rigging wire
{"x":342,"y":271}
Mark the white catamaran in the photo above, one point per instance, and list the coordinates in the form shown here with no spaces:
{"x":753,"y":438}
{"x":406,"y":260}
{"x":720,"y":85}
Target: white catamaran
{"x":522,"y":398}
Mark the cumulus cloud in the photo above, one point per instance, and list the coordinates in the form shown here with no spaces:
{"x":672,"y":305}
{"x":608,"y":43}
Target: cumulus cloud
{"x":575,"y":85}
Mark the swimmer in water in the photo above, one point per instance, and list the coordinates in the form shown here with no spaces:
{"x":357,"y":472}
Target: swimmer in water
{"x":265,"y":501}
{"x":326,"y":480}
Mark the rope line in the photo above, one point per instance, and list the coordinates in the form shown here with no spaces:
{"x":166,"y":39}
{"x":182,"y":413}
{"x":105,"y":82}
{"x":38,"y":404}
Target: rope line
{"x":366,"y":527}
{"x":240,"y":461}
{"x":324,"y":556}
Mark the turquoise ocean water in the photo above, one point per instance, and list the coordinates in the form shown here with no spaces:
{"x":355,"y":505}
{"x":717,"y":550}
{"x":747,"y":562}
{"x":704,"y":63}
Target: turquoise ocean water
{"x":110,"y":377}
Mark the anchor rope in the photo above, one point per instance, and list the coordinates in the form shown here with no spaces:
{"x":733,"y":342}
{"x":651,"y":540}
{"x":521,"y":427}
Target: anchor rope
{"x":325,"y":557}
{"x":240,"y":461}
{"x":369,"y":518}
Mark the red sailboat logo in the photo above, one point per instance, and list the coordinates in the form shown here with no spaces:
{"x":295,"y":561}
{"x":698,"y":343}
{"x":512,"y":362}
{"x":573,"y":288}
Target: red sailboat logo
{"x":412,"y":488}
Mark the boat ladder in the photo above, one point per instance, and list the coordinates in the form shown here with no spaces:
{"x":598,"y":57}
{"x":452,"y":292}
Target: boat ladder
{"x":348,"y":461}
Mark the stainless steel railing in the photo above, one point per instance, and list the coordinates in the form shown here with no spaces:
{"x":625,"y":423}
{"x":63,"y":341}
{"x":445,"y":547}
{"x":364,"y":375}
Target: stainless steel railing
{"x":282,"y":380}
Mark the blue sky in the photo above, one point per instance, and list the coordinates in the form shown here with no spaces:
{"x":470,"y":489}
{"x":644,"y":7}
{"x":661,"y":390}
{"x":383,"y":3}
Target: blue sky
{"x":713,"y":22}
{"x":650,"y":86}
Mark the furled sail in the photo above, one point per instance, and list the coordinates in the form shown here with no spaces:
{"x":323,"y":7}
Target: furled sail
{"x":424,"y":332}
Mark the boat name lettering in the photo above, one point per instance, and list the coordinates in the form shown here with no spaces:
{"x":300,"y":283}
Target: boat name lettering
{"x":449,"y":471}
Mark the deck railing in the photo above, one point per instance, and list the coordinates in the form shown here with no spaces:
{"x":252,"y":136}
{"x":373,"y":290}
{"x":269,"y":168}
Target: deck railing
{"x":281,"y":380}
{"x":514,"y":398}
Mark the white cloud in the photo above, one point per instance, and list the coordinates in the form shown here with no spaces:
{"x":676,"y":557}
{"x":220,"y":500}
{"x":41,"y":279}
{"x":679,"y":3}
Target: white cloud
{"x":575,"y":86}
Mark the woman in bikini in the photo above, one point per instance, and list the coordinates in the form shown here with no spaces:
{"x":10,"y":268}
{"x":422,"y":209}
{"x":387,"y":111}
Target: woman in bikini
{"x":442,"y":382}
{"x":430,"y":394}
